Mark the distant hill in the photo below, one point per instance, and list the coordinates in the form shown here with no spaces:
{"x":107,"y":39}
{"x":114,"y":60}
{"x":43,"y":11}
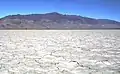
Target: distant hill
{"x":55,"y":20}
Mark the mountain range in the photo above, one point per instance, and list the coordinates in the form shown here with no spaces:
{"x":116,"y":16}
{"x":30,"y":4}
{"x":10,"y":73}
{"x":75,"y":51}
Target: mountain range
{"x":55,"y":20}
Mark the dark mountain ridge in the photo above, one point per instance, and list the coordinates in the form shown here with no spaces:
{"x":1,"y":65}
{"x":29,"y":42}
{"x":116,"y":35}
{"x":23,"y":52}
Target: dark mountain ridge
{"x":55,"y":20}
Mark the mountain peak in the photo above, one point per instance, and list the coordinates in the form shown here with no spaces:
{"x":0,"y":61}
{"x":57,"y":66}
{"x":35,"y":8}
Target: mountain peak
{"x":54,"y":13}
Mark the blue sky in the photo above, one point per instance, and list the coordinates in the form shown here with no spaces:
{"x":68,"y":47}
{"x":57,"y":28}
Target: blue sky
{"x":107,"y":9}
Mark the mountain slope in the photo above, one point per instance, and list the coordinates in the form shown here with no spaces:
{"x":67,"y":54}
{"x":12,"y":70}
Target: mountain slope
{"x":55,"y":20}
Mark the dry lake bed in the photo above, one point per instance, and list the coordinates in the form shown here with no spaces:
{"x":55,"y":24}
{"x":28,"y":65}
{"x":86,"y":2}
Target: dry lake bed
{"x":59,"y":51}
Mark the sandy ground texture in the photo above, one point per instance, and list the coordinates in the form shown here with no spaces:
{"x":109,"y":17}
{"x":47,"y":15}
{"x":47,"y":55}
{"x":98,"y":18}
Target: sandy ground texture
{"x":60,"y":52}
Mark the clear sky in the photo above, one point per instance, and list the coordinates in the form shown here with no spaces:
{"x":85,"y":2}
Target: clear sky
{"x":108,"y":9}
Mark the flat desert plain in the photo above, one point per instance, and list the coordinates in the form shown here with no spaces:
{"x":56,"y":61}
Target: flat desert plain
{"x":59,"y":51}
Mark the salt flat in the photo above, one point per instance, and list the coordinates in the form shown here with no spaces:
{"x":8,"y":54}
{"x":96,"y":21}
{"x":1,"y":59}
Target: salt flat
{"x":59,"y":52}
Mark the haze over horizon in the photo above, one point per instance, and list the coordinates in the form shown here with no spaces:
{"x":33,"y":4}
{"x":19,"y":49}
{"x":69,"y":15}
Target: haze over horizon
{"x":100,"y":9}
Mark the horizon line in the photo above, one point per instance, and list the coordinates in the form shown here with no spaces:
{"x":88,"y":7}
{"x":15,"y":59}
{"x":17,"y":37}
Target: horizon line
{"x":58,"y":13}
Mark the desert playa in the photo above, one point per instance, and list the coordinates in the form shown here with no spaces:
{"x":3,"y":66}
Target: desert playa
{"x":59,"y":52}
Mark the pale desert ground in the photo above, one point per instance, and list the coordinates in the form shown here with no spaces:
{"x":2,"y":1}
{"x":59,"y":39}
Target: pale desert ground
{"x":59,"y":52}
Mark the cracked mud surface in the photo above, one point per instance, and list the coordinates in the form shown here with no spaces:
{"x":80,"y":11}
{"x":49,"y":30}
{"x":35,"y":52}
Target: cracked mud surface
{"x":60,"y":52}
